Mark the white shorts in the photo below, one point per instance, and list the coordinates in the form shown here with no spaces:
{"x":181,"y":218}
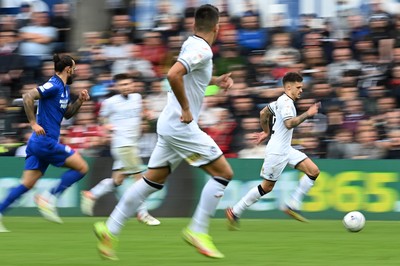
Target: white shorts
{"x":127,"y":159}
{"x":274,"y":164}
{"x":196,"y":148}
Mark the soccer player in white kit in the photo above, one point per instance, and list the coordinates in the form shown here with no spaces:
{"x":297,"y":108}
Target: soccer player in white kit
{"x":180,"y":138}
{"x":279,"y":152}
{"x":122,"y":114}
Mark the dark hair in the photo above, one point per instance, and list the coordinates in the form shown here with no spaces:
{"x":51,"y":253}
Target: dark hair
{"x":61,"y":63}
{"x":206,"y":17}
{"x":292,"y":77}
{"x":121,"y":76}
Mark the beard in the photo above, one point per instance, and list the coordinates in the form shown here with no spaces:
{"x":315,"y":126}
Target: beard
{"x":70,"y":80}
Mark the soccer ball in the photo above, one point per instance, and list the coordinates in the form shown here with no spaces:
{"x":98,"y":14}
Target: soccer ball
{"x":354,"y":221}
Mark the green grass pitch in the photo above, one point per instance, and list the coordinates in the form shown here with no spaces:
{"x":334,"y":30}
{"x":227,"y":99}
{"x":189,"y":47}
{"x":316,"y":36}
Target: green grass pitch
{"x":34,"y":241}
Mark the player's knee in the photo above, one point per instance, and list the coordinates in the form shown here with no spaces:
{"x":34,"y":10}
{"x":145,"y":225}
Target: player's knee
{"x":228,"y":174}
{"x":83,"y":168}
{"x":314,"y":173}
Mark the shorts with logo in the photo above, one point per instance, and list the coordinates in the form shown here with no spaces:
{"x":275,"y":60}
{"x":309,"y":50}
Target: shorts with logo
{"x":274,"y":164}
{"x":42,"y":151}
{"x":196,"y":148}
{"x":127,"y":159}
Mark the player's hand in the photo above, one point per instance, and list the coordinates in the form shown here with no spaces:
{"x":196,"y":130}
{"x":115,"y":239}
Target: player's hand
{"x":38,"y":130}
{"x":225,"y":81}
{"x":259,"y":137}
{"x":84,"y":96}
{"x":313,"y":110}
{"x":186,"y":116}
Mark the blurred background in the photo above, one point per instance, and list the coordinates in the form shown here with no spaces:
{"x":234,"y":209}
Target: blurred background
{"x":347,"y":51}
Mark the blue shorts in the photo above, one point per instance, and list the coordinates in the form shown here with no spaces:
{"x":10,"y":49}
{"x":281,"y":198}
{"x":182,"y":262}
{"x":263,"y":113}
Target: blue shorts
{"x":42,"y":151}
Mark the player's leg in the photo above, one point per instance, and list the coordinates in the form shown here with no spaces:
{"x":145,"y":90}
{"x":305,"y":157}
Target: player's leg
{"x":197,"y":232}
{"x":107,"y":185}
{"x":311,"y":173}
{"x":47,"y":200}
{"x":29,"y":179}
{"x":301,"y":162}
{"x":271,"y":169}
{"x":132,"y":164}
{"x":252,"y":196}
{"x":133,"y":197}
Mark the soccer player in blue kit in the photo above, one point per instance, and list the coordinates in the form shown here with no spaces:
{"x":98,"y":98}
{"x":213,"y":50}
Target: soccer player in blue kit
{"x":43,"y":146}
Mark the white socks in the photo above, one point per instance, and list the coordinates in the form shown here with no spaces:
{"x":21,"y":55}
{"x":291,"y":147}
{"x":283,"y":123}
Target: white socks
{"x":209,"y":199}
{"x":103,"y":187}
{"x":127,"y":206}
{"x":305,"y":184}
{"x":250,"y":198}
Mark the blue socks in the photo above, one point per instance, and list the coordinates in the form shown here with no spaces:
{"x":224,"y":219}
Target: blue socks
{"x":14,"y":194}
{"x":67,"y":179}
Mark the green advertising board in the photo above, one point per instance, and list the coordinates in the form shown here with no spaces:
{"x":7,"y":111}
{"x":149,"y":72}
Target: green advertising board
{"x":370,"y":186}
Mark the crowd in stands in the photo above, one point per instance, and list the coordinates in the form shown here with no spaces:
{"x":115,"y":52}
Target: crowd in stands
{"x":356,"y":77}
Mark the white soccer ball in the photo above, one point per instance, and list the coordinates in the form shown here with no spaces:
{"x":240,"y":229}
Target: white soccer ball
{"x":354,"y":221}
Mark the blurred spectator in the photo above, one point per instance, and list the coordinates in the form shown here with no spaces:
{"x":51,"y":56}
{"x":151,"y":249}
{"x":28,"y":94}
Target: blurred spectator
{"x":251,"y":150}
{"x":117,"y":48}
{"x":221,"y":132}
{"x":133,"y":63}
{"x":339,"y":147}
{"x":394,"y":83}
{"x":393,"y":145}
{"x":11,"y":63}
{"x":37,"y":42}
{"x":174,"y":44}
{"x":92,"y":41}
{"x":61,"y":19}
{"x":366,"y":145}
{"x":354,"y":112}
{"x":156,"y":99}
{"x":23,"y":18}
{"x":281,"y":52}
{"x":342,"y":61}
{"x":251,"y":36}
{"x":121,"y":24}
{"x":153,"y":50}
{"x":228,"y":56}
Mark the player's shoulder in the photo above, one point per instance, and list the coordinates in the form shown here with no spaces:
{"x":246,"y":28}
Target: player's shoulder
{"x":197,"y":44}
{"x":53,"y":83}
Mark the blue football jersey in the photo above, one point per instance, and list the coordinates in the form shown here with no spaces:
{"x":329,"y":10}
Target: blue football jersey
{"x":52,"y":106}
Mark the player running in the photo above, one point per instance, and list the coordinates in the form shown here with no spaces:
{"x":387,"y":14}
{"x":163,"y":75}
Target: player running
{"x":180,"y":138}
{"x":279,"y":152}
{"x":122,"y":115}
{"x":43,"y":147}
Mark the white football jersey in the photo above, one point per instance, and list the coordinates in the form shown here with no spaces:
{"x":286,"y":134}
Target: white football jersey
{"x":281,"y":137}
{"x":196,"y":57}
{"x":125,"y":116}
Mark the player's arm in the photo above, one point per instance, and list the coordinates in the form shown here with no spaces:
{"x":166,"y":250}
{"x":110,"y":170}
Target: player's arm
{"x":175,"y":79}
{"x":265,"y":115}
{"x":295,"y":121}
{"x":73,"y":108}
{"x":224,"y":81}
{"x":29,"y":105}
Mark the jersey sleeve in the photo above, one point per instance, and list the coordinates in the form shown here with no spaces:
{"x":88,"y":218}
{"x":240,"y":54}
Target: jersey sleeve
{"x":48,"y":90}
{"x":287,"y":110}
{"x":193,"y":57}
